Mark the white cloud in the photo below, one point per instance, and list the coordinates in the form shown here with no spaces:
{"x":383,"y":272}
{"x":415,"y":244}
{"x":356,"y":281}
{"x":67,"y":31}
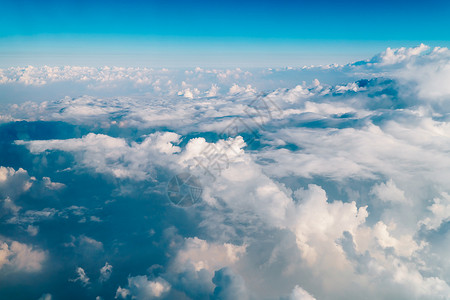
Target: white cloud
{"x":236,"y":89}
{"x":4,"y":254}
{"x":440,"y":210}
{"x":52,"y":185}
{"x":81,"y":277}
{"x":25,"y":258}
{"x":114,"y":156}
{"x":300,"y":294}
{"x":13,"y":183}
{"x":9,"y":206}
{"x":389,"y":192}
{"x":200,"y":255}
{"x":105,"y":272}
{"x":122,"y":293}
{"x":332,"y":198}
{"x":21,"y":257}
{"x":141,"y":288}
{"x":395,"y":56}
{"x":213,"y":91}
{"x":425,"y":71}
{"x":403,"y":246}
{"x":85,"y":242}
{"x":317,"y":223}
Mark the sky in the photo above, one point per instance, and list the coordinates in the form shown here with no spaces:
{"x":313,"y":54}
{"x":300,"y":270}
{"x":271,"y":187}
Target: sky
{"x":213,"y":33}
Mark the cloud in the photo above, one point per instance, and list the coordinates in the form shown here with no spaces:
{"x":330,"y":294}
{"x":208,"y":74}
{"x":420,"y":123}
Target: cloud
{"x":399,"y":55}
{"x":105,"y":272}
{"x":300,"y":294}
{"x":32,"y":230}
{"x":317,"y":222}
{"x":113,"y":156}
{"x":45,"y":297}
{"x":440,"y":210}
{"x":52,"y":185}
{"x":389,"y":192}
{"x":403,"y":246}
{"x":81,"y":277}
{"x":122,"y":293}
{"x":229,"y":285}
{"x":213,"y":91}
{"x":236,"y":89}
{"x":21,"y":257}
{"x":14,"y":183}
{"x":421,"y":69}
{"x":85,"y":242}
{"x":335,"y":187}
{"x":195,"y":262}
{"x":140,"y":288}
{"x":201,"y":255}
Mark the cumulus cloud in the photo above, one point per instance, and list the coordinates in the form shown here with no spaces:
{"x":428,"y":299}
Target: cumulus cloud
{"x":317,"y":221}
{"x":113,"y":156}
{"x":140,"y":288}
{"x":423,"y":69}
{"x":14,"y":183}
{"x":440,"y":210}
{"x":201,"y":255}
{"x":21,"y":257}
{"x":395,"y":56}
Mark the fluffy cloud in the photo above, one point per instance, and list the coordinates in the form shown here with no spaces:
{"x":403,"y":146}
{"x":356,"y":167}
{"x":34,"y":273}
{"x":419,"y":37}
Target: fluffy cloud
{"x":140,"y":288}
{"x":317,"y":222}
{"x":423,"y":69}
{"x":113,"y":156}
{"x":21,"y":257}
{"x":201,"y":255}
{"x":440,"y":210}
{"x":395,"y":56}
{"x":14,"y":183}
{"x":335,"y":187}
{"x":389,"y":192}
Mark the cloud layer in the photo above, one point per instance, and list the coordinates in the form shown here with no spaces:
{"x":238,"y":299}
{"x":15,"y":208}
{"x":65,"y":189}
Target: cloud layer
{"x":325,"y":182}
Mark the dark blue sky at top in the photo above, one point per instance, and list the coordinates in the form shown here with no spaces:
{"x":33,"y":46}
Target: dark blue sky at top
{"x":261,"y":31}
{"x":349,"y":19}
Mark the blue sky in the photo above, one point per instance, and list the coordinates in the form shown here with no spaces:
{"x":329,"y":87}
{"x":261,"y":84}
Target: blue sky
{"x":185,"y":33}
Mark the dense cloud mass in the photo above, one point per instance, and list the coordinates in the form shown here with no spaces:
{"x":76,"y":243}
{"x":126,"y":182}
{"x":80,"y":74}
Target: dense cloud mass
{"x":326,"y":182}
